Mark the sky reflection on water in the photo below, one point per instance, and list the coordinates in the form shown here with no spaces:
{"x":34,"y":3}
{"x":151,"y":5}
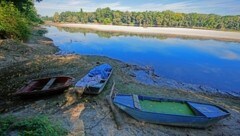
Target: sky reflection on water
{"x":206,"y":62}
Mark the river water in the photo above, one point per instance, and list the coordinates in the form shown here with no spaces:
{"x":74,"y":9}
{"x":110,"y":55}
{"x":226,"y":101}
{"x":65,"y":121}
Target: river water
{"x":205,"y":62}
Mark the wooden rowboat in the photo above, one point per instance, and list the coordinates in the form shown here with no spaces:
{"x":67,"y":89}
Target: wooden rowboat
{"x":170,"y":112}
{"x":95,"y":81}
{"x":45,"y":86}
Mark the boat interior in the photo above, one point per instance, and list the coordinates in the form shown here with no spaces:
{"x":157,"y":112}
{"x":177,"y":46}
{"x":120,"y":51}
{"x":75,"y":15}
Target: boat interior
{"x":45,"y":84}
{"x":168,"y":106}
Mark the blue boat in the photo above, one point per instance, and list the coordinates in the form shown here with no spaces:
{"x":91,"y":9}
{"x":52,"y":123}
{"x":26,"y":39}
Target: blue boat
{"x":96,"y":79}
{"x":170,"y":112}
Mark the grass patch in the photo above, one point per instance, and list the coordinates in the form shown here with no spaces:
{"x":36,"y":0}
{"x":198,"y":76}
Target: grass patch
{"x":32,"y":126}
{"x":5,"y":123}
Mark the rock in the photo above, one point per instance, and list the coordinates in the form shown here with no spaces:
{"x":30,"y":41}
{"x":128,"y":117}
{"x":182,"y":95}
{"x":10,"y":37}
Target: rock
{"x":77,"y":129}
{"x":75,"y":112}
{"x":71,"y":96}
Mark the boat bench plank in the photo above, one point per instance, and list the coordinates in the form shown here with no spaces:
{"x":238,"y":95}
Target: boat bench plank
{"x":50,"y":82}
{"x":136,"y":102}
{"x":208,"y":110}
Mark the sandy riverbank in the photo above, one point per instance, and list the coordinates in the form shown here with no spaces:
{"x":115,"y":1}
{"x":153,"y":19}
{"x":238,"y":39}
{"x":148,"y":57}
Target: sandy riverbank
{"x":185,"y":32}
{"x":91,"y":115}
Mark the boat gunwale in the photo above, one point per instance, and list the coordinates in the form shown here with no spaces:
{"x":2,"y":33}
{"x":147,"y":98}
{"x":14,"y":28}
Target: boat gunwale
{"x":66,"y":84}
{"x":196,"y":116}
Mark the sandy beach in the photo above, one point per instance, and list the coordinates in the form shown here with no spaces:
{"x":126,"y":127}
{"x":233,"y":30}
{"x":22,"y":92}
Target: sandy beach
{"x":185,"y":32}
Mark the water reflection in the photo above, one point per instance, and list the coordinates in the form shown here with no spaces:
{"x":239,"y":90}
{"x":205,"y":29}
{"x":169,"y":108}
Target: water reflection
{"x":106,"y":34}
{"x":205,"y":62}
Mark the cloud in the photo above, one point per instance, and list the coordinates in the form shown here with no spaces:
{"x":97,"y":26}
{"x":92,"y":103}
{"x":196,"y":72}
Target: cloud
{"x":230,"y":7}
{"x":67,"y":5}
{"x":50,"y":7}
{"x":222,"y":7}
{"x":115,"y":6}
{"x":162,"y":7}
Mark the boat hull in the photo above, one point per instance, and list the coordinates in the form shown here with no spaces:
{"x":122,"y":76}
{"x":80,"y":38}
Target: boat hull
{"x":171,"y":120}
{"x":194,"y":121}
{"x":95,"y":90}
{"x":96,"y":79}
{"x":35,"y":88}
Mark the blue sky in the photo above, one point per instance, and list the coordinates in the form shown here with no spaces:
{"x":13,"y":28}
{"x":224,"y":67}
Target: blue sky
{"x":221,"y":7}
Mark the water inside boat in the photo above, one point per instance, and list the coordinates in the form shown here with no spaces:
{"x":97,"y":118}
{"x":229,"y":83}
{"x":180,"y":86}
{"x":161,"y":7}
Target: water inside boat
{"x":166,"y":107}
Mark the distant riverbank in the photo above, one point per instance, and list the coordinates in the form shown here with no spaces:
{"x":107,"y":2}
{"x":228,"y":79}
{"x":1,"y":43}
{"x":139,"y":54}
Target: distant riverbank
{"x":183,"y":32}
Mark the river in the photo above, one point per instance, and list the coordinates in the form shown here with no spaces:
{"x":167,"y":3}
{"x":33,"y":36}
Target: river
{"x":197,"y":61}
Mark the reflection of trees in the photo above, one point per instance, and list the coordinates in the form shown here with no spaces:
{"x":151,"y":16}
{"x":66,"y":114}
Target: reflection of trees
{"x":108,"y":34}
{"x":60,"y":29}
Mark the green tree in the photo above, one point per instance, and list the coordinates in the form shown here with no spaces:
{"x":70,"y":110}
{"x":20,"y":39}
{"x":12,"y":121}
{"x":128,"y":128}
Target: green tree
{"x":159,"y":20}
{"x":13,"y":24}
{"x":99,"y":16}
{"x":85,"y":17}
{"x":92,"y":18}
{"x":139,"y":19}
{"x":56,"y":17}
{"x":149,"y":18}
{"x":27,"y":8}
{"x":107,"y":21}
{"x":117,"y":18}
{"x":126,"y":17}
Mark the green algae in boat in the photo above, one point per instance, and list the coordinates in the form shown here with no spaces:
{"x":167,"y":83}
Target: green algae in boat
{"x":169,"y":111}
{"x":176,"y":108}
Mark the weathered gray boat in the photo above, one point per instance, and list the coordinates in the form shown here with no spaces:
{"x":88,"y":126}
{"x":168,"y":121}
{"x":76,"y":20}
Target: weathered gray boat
{"x":95,"y":81}
{"x":170,"y":112}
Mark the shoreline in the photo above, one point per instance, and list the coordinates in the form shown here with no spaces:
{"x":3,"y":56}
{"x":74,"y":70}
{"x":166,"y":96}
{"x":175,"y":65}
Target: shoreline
{"x":169,"y":31}
{"x":180,"y":85}
{"x":78,"y":114}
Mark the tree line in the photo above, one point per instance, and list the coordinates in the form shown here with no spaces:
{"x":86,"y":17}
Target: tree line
{"x":149,"y":18}
{"x":17,"y":17}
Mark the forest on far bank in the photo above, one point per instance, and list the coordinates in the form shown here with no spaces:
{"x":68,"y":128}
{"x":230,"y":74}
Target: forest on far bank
{"x":149,"y":18}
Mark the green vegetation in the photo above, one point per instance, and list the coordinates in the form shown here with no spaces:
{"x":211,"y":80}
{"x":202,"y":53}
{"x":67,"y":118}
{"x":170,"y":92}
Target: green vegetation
{"x":150,"y":18}
{"x":33,"y":126}
{"x":5,"y":123}
{"x":17,"y":18}
{"x":166,"y":107}
{"x":13,"y":24}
